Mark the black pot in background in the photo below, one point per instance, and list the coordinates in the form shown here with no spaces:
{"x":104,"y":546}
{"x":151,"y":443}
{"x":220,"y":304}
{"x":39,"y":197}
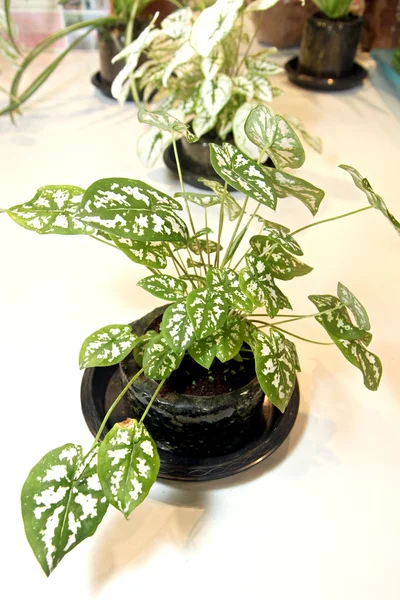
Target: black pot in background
{"x":328,"y":47}
{"x":196,"y":425}
{"x":111,"y":41}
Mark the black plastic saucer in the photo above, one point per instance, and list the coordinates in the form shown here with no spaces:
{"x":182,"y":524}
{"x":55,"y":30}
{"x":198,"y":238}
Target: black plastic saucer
{"x":325,"y":84}
{"x":100,"y":387}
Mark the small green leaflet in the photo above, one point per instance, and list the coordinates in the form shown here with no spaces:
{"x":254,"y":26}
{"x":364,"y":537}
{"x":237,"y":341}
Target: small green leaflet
{"x":213,"y":24}
{"x":281,"y":235}
{"x":368,"y":363}
{"x":214,"y":94}
{"x":243,"y":173}
{"x":149,"y":254}
{"x":373,"y":198}
{"x":275,"y":369}
{"x":128,"y":465}
{"x":107,"y":346}
{"x":359,"y":312}
{"x":288,"y":185}
{"x":225,"y":282}
{"x":204,"y":351}
{"x":336,"y":320}
{"x":165,"y":287}
{"x":207,"y":246}
{"x":281,"y":264}
{"x":261,"y":66}
{"x":159,"y":361}
{"x":207,"y":311}
{"x":230,"y":338}
{"x":166,"y":122}
{"x":62,"y":503}
{"x":177,"y":327}
{"x":183,"y":55}
{"x":52,"y":210}
{"x":263,"y":90}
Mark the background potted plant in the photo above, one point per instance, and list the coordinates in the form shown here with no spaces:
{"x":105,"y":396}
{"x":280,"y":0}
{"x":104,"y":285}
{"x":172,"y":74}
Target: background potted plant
{"x":212,"y":318}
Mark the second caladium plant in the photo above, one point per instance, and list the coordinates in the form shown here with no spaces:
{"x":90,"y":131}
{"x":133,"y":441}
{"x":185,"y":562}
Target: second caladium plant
{"x":214,"y":297}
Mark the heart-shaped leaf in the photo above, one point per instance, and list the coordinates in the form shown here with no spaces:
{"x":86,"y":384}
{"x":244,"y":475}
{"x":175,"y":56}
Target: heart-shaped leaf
{"x":214,"y":94}
{"x":213,"y":24}
{"x":279,"y":234}
{"x":149,"y":254}
{"x":204,"y":351}
{"x":62,"y":503}
{"x":183,"y":55}
{"x":288,"y":185}
{"x":178,"y":23}
{"x":230,"y":338}
{"x":261,"y":288}
{"x":262,"y":88}
{"x":335,"y":318}
{"x":207,"y":311}
{"x":177,"y":327}
{"x":210,"y":65}
{"x":281,"y":264}
{"x":242,"y":141}
{"x":244,"y":86}
{"x":359,"y":312}
{"x":204,"y":200}
{"x":226,"y":283}
{"x":368,"y":363}
{"x":166,"y":122}
{"x":107,"y":346}
{"x":165,"y":287}
{"x":258,"y":64}
{"x":159,"y":361}
{"x":128,"y":465}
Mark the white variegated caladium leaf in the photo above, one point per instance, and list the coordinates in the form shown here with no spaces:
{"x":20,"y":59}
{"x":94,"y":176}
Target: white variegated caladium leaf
{"x":183,"y":55}
{"x":177,"y":327}
{"x":204,"y":200}
{"x":214,"y":94}
{"x":357,"y":309}
{"x":259,"y":126}
{"x":373,"y":198}
{"x":52,"y":210}
{"x":151,"y":145}
{"x":204,"y":351}
{"x":252,"y":334}
{"x":203,"y":123}
{"x":282,"y":265}
{"x":260,"y":5}
{"x":165,"y":287}
{"x":165,"y":122}
{"x":368,"y":363}
{"x":242,"y":141}
{"x":281,"y":235}
{"x":177,"y":25}
{"x":225,"y":282}
{"x":207,"y":310}
{"x":263,"y":90}
{"x":213,"y":24}
{"x":62,"y":503}
{"x":230,"y":338}
{"x":149,"y":254}
{"x":244,"y":86}
{"x":140,"y":347}
{"x":128,"y":465}
{"x":208,"y":246}
{"x":242,"y":173}
{"x":210,"y":65}
{"x":335,"y":319}
{"x":260,"y":65}
{"x":313,"y":141}
{"x":258,"y":284}
{"x":107,"y":346}
{"x":232,"y":207}
{"x":275,"y":369}
{"x":287,"y":184}
{"x":159,"y":361}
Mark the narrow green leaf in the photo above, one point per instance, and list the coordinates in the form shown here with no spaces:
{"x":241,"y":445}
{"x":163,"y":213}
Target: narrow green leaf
{"x":286,"y":184}
{"x":336,"y":319}
{"x":368,"y":363}
{"x":166,"y":122}
{"x":359,"y":312}
{"x":159,"y":361}
{"x":107,"y":346}
{"x":177,"y":327}
{"x":165,"y":287}
{"x":204,"y":200}
{"x":213,"y":24}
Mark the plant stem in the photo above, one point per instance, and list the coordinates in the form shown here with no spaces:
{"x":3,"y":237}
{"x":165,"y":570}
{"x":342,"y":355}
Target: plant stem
{"x":221,"y":224}
{"x":234,"y":235}
{"x":114,"y":404}
{"x":9,"y":26}
{"x":207,"y":239}
{"x":353,"y":212}
{"x":245,"y":228}
{"x":128,"y":40}
{"x":290,"y":333}
{"x":154,"y":396}
{"x":257,"y":29}
{"x":299,"y":317}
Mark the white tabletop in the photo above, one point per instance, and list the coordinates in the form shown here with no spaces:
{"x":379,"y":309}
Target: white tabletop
{"x":320,"y":519}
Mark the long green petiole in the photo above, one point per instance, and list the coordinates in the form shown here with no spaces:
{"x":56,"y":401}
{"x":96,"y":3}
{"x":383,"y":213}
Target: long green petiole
{"x":264,"y":325}
{"x":154,"y":396}
{"x":353,"y":212}
{"x":128,"y":40}
{"x":221,"y":224}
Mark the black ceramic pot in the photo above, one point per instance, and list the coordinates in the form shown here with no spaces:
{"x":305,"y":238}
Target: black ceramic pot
{"x":193,"y":425}
{"x":110,"y":41}
{"x":328,"y":47}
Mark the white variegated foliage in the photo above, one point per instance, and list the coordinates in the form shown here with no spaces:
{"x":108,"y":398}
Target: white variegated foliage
{"x":281,"y":264}
{"x":204,"y":351}
{"x":177,"y":24}
{"x":229,"y":339}
{"x":107,"y":346}
{"x":280,"y":234}
{"x":335,"y":319}
{"x":242,"y":141}
{"x":149,"y":254}
{"x":213,"y":24}
{"x":214,"y":94}
{"x":159,"y":361}
{"x":207,"y":311}
{"x":177,"y":327}
{"x":357,"y":309}
{"x":358,"y":355}
{"x":286,"y":184}
{"x":165,"y":287}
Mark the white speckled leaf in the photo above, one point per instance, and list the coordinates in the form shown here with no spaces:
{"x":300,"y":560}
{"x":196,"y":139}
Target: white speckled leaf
{"x":165,"y":287}
{"x":178,"y":23}
{"x":159,"y":361}
{"x":151,"y":145}
{"x":107,"y":346}
{"x":260,"y":65}
{"x":281,"y":264}
{"x":177,"y":327}
{"x":128,"y":465}
{"x":368,"y":363}
{"x":52,"y":210}
{"x":207,"y":246}
{"x":244,"y":86}
{"x":225,"y":282}
{"x":260,"y":5}
{"x":149,"y":254}
{"x":204,"y":351}
{"x":203,"y":123}
{"x":287,"y":184}
{"x":210,"y":65}
{"x":242,"y":173}
{"x":62,"y":503}
{"x":213,"y":24}
{"x":359,"y":312}
{"x":280,"y":234}
{"x":230,"y":338}
{"x":165,"y":122}
{"x":336,"y":320}
{"x":313,"y":141}
{"x":207,"y":311}
{"x":184,"y":54}
{"x":263,"y":90}
{"x":232,"y":207}
{"x":214,"y":94}
{"x":241,"y":139}
{"x":140,"y":348}
{"x":259,"y":285}
{"x":204,"y":200}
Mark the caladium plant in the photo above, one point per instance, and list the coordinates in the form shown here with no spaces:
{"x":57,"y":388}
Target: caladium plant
{"x":214,"y":296}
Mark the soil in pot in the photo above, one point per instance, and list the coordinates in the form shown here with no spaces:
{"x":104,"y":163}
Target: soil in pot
{"x":328,"y":47}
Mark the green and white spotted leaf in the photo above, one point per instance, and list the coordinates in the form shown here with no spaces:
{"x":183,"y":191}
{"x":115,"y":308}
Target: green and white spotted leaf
{"x":259,"y":126}
{"x":203,"y":123}
{"x":336,"y":320}
{"x":151,"y":145}
{"x":128,"y":465}
{"x":232,"y":207}
{"x":140,"y":347}
{"x":359,"y":312}
{"x":313,"y":141}
{"x":165,"y":122}
{"x":258,"y":64}
{"x":177,"y":327}
{"x":183,"y":55}
{"x":242,"y":141}
{"x":204,"y":200}
{"x":242,"y":173}
{"x":368,"y":363}
{"x":62,"y":503}
{"x":225,"y":282}
{"x":207,"y":311}
{"x":159,"y":361}
{"x":263,"y":90}
{"x":258,"y":284}
{"x":275,"y":369}
{"x":165,"y":287}
{"x":107,"y":346}
{"x":207,"y":246}
{"x":52,"y":210}
{"x":244,"y":86}
{"x":210,"y":65}
{"x":149,"y":254}
{"x":280,"y":234}
{"x":213,"y":24}
{"x":178,"y":23}
{"x":214,"y":94}
{"x":281,"y":264}
{"x":230,"y":338}
{"x":289,"y":185}
{"x":260,"y":5}
{"x":204,"y":351}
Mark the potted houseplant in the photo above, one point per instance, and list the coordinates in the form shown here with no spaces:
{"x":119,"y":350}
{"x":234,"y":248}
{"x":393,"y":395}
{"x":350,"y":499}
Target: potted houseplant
{"x":126,"y":20}
{"x":328,"y":47}
{"x":210,"y":323}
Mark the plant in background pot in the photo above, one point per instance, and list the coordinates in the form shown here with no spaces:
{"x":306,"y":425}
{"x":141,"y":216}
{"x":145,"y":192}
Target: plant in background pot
{"x":197,"y":369}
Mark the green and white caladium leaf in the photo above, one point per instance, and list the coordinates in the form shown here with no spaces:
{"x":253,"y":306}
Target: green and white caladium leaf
{"x":368,"y":363}
{"x":263,"y":90}
{"x":260,"y":65}
{"x":230,"y":338}
{"x":275,"y":368}
{"x":210,"y":65}
{"x":273,"y":134}
{"x":260,"y":5}
{"x":213,"y":24}
{"x":282,"y":265}
{"x":244,"y":86}
{"x":288,"y":185}
{"x":52,"y":210}
{"x":204,"y":200}
{"x":203,"y":123}
{"x":177,"y":327}
{"x":140,"y":347}
{"x":204,"y":351}
{"x":280,"y":234}
{"x":165,"y":122}
{"x":128,"y":465}
{"x":208,"y":246}
{"x":207,"y":311}
{"x":373,"y":198}
{"x":313,"y":141}
{"x":241,"y":140}
{"x":107,"y":346}
{"x":225,"y":282}
{"x":149,"y":254}
{"x":242,"y":173}
{"x":165,"y":287}
{"x":335,"y":319}
{"x":183,"y":55}
{"x":178,"y":23}
{"x":214,"y":94}
{"x":258,"y":284}
{"x":359,"y":312}
{"x":151,"y":145}
{"x":62,"y":503}
{"x":232,"y":207}
{"x":159,"y":361}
